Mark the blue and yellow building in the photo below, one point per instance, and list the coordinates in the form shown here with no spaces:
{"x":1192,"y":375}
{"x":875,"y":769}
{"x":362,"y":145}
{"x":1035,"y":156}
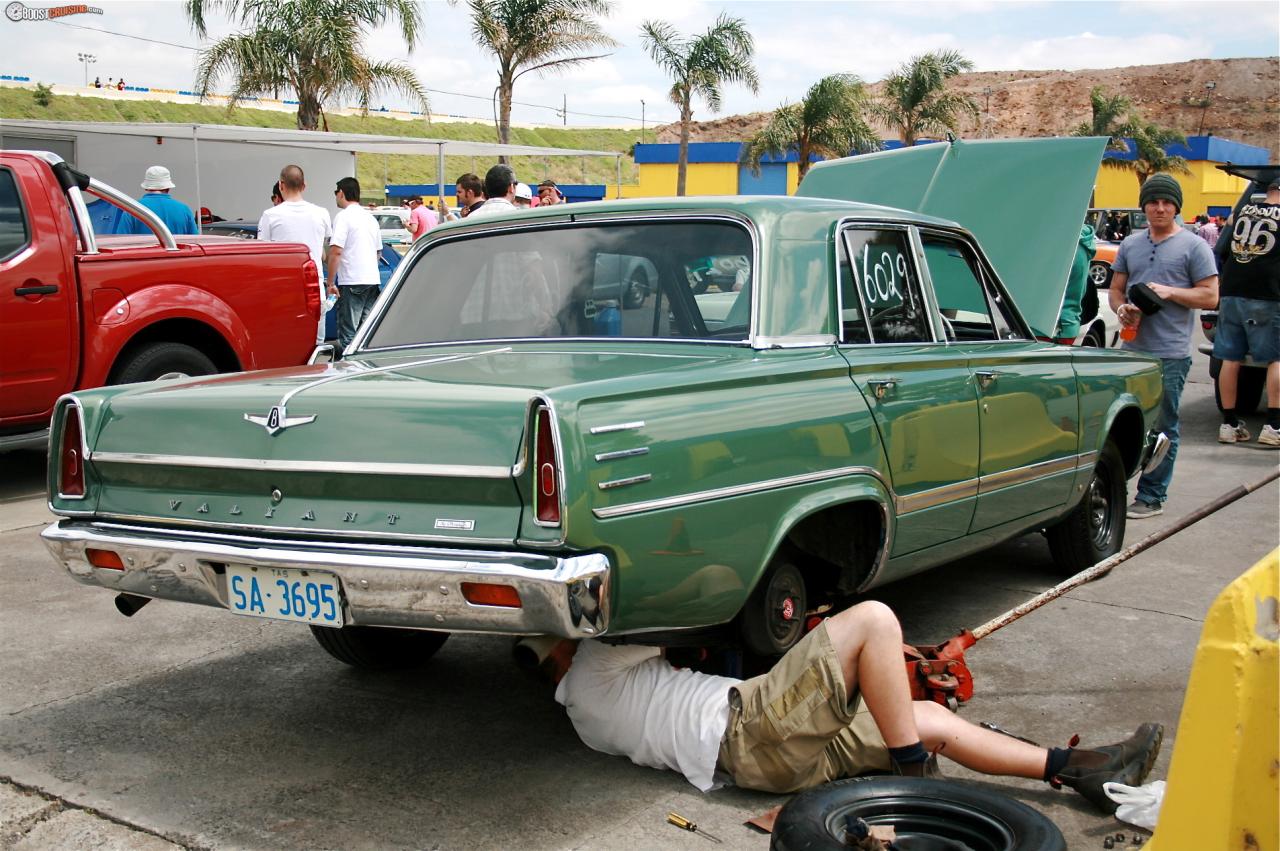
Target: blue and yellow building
{"x":714,"y":169}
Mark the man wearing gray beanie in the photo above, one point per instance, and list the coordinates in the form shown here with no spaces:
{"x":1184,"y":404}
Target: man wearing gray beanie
{"x":1177,"y":268}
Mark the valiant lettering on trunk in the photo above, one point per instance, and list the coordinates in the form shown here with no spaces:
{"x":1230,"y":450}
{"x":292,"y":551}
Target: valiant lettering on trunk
{"x":277,"y":421}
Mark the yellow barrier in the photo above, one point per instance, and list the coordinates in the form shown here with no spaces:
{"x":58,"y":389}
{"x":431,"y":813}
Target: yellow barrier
{"x":1223,"y":784}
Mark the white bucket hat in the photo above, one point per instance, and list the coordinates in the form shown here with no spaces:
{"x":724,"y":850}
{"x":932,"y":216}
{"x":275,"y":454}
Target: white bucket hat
{"x":157,"y":177}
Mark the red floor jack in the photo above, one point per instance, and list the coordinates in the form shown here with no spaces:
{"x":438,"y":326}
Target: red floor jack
{"x":940,"y":673}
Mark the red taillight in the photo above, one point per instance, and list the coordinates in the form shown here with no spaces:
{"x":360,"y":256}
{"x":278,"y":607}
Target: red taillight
{"x":488,"y":594}
{"x":104,"y":558}
{"x":70,"y":456}
{"x":546,"y":471}
{"x":311,"y":272}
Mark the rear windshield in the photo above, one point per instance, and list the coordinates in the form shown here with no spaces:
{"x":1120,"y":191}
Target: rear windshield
{"x":659,"y":280}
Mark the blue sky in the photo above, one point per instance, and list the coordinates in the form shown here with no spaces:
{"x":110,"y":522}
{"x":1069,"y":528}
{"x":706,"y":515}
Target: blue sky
{"x":796,"y":44}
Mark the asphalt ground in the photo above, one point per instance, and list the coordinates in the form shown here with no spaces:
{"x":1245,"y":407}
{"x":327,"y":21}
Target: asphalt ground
{"x":192,"y":727}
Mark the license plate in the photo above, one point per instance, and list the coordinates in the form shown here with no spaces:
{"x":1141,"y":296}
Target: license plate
{"x":285,"y":593}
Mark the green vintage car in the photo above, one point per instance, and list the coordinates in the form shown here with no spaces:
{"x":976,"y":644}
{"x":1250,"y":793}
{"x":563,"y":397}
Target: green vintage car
{"x":505,"y":451}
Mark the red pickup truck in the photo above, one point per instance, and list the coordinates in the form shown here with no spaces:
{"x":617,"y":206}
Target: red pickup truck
{"x":79,"y":310}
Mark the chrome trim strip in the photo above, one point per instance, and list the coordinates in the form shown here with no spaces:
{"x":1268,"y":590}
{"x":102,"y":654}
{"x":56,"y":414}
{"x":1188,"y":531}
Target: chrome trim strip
{"x":609,"y":429}
{"x":332,"y":537}
{"x":936,"y":496}
{"x":629,"y":480}
{"x":452,"y":471}
{"x":69,"y":403}
{"x":558,"y":447}
{"x":567,"y":596}
{"x":1087,"y":458}
{"x":1023,"y":475}
{"x":353,"y":369}
{"x":732,"y":490}
{"x":622,"y":453}
{"x":799,"y":341}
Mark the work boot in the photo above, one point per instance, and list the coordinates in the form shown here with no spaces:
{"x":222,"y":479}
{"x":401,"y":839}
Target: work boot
{"x":1128,"y":762}
{"x":929,"y":768}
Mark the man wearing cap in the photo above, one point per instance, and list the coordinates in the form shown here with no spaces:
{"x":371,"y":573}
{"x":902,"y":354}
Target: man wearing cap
{"x":522,"y":198}
{"x":1177,"y":268}
{"x":1249,"y":314}
{"x":549,"y":193}
{"x":176,"y":215}
{"x":421,"y":218}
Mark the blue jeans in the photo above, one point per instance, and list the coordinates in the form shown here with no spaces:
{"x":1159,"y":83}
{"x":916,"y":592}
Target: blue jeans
{"x":1153,"y":487}
{"x":354,"y":304}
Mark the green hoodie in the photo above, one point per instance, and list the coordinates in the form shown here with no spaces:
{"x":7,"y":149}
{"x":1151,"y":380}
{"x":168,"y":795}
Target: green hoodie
{"x":1077,"y":283}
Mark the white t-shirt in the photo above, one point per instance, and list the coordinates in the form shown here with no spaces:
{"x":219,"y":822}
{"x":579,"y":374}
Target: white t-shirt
{"x":355,"y":231}
{"x":492,"y":207}
{"x":296,"y":221}
{"x":627,"y":700}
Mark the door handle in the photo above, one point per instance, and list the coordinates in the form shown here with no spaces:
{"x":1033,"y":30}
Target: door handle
{"x":987,"y":377}
{"x":881,"y":386}
{"x":39,"y":289}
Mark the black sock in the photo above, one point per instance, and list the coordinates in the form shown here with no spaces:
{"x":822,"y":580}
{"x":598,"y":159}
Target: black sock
{"x":1229,"y":417}
{"x":1056,"y":761}
{"x":1273,"y":417}
{"x":909,"y":754}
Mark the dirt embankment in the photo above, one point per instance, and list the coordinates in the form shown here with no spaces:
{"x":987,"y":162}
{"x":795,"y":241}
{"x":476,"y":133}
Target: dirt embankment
{"x":1244,"y":106}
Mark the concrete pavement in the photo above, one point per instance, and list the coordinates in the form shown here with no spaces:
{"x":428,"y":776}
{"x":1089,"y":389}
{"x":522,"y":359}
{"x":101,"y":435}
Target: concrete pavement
{"x":194,"y":727}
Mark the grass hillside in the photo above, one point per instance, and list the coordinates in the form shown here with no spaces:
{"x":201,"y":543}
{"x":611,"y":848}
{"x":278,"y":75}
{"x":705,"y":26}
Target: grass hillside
{"x":373,"y":170}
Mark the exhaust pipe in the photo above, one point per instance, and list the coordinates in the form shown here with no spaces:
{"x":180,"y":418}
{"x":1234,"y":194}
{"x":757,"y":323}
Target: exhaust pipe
{"x":129,"y":604}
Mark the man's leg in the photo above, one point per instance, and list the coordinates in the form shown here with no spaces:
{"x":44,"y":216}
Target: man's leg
{"x":346,"y":307}
{"x":868,"y":639}
{"x":1230,"y":345}
{"x":1153,"y":487}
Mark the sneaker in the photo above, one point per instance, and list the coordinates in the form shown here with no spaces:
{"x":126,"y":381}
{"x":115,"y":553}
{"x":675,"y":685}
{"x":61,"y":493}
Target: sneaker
{"x":1269,"y":436}
{"x":1139,"y":510}
{"x":1128,"y":762}
{"x":928,"y":768}
{"x":1236,"y":433}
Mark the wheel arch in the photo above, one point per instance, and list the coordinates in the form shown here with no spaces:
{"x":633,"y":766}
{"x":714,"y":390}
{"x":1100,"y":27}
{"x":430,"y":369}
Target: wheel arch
{"x":1126,"y":428}
{"x":191,"y":332}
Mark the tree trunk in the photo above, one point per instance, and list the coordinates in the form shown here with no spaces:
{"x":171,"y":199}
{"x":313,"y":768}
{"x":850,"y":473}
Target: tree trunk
{"x":308,"y":110}
{"x":682,"y":163}
{"x":802,"y":161}
{"x":505,"y":87}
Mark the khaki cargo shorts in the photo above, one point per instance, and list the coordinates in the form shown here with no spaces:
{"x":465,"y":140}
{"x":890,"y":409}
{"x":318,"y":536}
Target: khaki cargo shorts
{"x":791,"y":729}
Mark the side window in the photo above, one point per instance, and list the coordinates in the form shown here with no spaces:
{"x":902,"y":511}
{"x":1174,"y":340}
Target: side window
{"x":880,"y":295}
{"x":969,"y":311}
{"x":13,"y":224}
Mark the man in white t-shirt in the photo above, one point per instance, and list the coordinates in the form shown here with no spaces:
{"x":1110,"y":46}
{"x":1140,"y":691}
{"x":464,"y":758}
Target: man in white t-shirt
{"x":353,"y":260}
{"x":296,"y":220}
{"x":838,"y":704}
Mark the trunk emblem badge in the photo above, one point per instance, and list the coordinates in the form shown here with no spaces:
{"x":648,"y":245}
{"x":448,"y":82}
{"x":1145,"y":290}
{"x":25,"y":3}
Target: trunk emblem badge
{"x":277,"y":421}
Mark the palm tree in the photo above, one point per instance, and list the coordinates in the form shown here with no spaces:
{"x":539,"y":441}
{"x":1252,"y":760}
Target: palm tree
{"x":1151,"y":142}
{"x":700,"y":66}
{"x":535,"y":35}
{"x":1114,"y":116}
{"x":829,"y":122}
{"x":914,"y":99}
{"x":312,"y":47}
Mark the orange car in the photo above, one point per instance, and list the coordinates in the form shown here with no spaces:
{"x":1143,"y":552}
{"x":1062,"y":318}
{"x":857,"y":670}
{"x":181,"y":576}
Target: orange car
{"x":1100,"y":266}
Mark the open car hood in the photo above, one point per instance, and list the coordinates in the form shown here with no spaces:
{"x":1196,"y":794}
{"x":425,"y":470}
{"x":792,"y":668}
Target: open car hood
{"x":1024,"y":199}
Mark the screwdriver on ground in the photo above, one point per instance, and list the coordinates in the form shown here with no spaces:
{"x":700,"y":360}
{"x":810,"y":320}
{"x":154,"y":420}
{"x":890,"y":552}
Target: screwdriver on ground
{"x":684,"y":824}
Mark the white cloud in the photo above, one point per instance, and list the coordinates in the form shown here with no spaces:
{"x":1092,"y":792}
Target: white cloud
{"x":1087,"y":50}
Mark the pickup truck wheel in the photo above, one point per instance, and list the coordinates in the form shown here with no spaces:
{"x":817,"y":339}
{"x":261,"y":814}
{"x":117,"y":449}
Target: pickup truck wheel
{"x":773,"y":617}
{"x":163,"y":360}
{"x":637,"y":289}
{"x":1094,"y":530}
{"x":374,"y":648}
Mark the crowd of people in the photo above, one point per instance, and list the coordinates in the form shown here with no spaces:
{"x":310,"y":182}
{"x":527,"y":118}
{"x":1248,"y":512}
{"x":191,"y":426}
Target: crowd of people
{"x":111,"y":83}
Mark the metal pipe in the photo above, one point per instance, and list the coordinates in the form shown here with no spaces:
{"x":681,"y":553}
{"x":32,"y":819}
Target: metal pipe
{"x":84,"y":223}
{"x":129,"y":604}
{"x":128,"y":204}
{"x":1105,"y":566}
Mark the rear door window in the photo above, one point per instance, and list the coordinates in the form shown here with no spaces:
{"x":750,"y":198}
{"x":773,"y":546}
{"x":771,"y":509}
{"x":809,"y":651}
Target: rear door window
{"x":880,"y":295}
{"x":14,"y":235}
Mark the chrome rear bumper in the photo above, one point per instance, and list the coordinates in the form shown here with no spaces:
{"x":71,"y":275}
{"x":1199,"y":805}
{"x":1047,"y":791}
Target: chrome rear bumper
{"x":395,"y":586}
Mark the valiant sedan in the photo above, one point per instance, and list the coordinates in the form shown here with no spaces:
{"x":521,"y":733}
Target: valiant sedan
{"x":500,"y":453}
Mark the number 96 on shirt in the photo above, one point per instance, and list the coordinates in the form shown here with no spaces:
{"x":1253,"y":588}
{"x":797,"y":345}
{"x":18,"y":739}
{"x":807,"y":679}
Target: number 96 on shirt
{"x":287,"y":594}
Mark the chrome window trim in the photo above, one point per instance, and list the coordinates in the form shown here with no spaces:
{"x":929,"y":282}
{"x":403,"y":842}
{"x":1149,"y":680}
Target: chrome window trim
{"x":849,"y":223}
{"x":799,"y":341}
{"x":635,"y":425}
{"x":66,"y":404}
{"x":573,"y":220}
{"x":311,"y":537}
{"x":732,"y":490}
{"x":451,"y":471}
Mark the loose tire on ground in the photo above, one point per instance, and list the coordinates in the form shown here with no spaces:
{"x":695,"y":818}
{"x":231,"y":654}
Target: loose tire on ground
{"x":373,"y":648}
{"x":935,"y":814}
{"x":772,"y":620}
{"x":163,"y":360}
{"x":1094,"y":529}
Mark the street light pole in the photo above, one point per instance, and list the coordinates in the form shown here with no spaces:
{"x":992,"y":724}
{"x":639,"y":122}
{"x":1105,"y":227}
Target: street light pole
{"x":1210,"y":86}
{"x":86,"y":59}
{"x":986,"y":91}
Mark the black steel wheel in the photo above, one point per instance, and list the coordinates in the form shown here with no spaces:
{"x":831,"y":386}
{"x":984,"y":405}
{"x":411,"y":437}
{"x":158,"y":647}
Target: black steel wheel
{"x":1094,"y":529}
{"x":773,"y":617}
{"x":374,"y":648}
{"x":927,"y":815}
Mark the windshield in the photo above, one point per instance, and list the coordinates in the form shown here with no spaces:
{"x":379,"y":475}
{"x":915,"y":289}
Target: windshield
{"x":629,"y":280}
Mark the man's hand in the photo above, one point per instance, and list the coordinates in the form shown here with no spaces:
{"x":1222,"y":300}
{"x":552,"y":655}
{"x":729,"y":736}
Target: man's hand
{"x":1129,"y":315}
{"x":332,"y":290}
{"x":1162,"y":290}
{"x":335,"y":254}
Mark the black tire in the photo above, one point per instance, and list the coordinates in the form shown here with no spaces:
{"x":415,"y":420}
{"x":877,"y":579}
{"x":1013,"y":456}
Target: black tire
{"x":928,"y":814}
{"x":772,"y":620}
{"x":637,"y":289}
{"x":162,"y":360}
{"x":1100,"y":274}
{"x":374,"y":648}
{"x":1251,"y":389}
{"x":1094,"y":529}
